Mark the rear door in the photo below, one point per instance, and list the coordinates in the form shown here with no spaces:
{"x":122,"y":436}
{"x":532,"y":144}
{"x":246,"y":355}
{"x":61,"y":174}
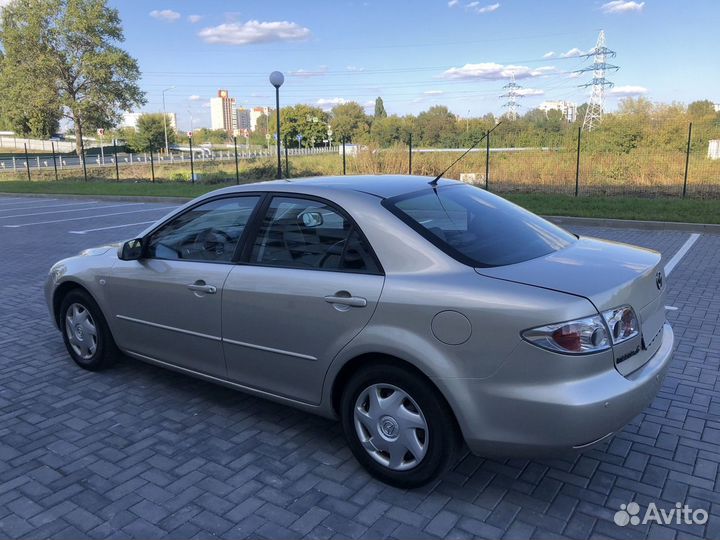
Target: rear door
{"x":307,"y":284}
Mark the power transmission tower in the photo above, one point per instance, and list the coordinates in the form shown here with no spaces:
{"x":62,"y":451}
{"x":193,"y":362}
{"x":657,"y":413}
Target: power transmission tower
{"x":594,"y":112}
{"x":513,"y":94}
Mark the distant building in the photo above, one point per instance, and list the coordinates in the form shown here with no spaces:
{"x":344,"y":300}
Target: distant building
{"x":243,"y":119}
{"x":255,"y":113}
{"x":130,"y":119}
{"x":223,"y":113}
{"x":717,"y":107}
{"x":567,"y":108}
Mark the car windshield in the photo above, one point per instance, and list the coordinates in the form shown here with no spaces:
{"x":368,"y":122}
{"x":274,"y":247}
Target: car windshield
{"x":476,"y":227}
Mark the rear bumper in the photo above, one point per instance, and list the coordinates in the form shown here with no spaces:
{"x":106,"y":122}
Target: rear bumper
{"x":539,"y":418}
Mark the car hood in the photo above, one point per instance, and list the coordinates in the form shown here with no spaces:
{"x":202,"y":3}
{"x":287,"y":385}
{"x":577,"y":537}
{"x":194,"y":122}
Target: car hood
{"x":607,"y":273}
{"x":100,"y":250}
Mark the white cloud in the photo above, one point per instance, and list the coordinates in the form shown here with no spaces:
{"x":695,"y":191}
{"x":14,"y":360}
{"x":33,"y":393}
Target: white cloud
{"x":572,"y":53}
{"x":167,"y":15}
{"x":354,"y":68}
{"x":492,"y":71}
{"x":306,"y":73}
{"x":477,"y":8}
{"x":434,"y":92}
{"x":194,"y":97}
{"x":622,"y":6}
{"x":549,"y":54}
{"x":453,"y":3}
{"x":628,"y":91}
{"x":327,"y":104}
{"x":194,"y":19}
{"x":530,"y":92}
{"x":254,"y":32}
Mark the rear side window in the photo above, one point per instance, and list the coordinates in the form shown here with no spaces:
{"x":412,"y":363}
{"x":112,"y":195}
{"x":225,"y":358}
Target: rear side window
{"x":478,"y":228}
{"x":305,"y":233}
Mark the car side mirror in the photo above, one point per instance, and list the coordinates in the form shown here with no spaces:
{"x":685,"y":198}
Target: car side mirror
{"x":132,"y":250}
{"x":312,"y":219}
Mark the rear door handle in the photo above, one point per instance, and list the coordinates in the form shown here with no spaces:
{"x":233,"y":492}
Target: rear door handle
{"x":352,"y":301}
{"x":201,"y":286}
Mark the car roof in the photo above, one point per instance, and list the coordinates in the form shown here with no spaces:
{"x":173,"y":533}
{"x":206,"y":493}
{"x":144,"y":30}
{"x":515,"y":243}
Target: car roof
{"x":383,"y":186}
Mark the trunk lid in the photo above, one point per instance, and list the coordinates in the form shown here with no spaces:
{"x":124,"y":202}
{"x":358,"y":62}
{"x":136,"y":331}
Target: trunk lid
{"x":609,"y":274}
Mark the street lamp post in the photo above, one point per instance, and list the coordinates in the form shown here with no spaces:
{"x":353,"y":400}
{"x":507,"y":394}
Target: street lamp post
{"x":167,"y":147}
{"x":277,"y":79}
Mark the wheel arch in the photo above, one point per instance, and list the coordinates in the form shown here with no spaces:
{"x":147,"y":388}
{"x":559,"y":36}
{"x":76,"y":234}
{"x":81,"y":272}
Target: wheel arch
{"x":360,"y":361}
{"x":61,"y":291}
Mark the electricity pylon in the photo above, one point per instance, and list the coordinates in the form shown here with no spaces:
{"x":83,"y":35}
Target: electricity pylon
{"x":594,"y":112}
{"x":513,"y":94}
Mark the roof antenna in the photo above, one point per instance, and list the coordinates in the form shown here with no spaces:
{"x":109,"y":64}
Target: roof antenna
{"x":434,"y":182}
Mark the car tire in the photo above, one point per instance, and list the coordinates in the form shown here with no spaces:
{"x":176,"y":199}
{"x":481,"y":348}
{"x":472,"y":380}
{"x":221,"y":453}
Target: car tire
{"x":85,"y":332}
{"x":398,"y":426}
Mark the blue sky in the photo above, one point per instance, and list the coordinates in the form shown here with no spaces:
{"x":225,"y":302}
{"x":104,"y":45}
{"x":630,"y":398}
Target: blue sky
{"x":416,"y":53}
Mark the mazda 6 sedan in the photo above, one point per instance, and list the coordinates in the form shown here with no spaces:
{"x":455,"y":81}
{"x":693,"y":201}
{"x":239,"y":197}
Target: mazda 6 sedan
{"x":423,"y":315}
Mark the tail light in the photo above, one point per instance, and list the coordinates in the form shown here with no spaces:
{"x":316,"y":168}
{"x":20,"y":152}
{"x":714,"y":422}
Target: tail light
{"x":587,"y":335}
{"x":581,"y":336}
{"x":622,"y":323}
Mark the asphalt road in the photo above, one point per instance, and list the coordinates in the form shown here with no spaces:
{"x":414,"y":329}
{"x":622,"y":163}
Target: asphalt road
{"x":137,"y":451}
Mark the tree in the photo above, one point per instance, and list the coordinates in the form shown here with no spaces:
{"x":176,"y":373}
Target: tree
{"x":436,"y":127}
{"x":67,"y":50}
{"x":310,"y":122}
{"x":701,"y":109}
{"x":380,"y":108}
{"x":348,"y":120}
{"x":26,"y":108}
{"x":150,"y":136}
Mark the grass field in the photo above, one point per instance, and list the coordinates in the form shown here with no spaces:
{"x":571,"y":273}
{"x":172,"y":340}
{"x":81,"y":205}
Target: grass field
{"x":548,"y":204}
{"x":611,"y":186}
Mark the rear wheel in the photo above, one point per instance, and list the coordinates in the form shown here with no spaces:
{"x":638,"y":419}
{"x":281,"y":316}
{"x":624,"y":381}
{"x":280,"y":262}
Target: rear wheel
{"x":398,"y":426}
{"x":86,"y":333}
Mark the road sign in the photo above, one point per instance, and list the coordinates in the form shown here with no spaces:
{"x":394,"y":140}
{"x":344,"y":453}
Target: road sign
{"x":189,"y":134}
{"x":236,"y":132}
{"x":299,"y":137}
{"x":101,"y":132}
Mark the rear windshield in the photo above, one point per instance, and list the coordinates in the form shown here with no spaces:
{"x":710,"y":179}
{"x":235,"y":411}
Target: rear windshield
{"x":476,"y":227}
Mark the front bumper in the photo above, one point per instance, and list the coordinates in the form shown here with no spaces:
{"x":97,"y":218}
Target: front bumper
{"x":501,"y":416}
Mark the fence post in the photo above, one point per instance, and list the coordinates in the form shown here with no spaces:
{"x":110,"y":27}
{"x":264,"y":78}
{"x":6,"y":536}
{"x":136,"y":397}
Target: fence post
{"x":287,"y":162}
{"x":27,"y":162}
{"x":687,"y":160}
{"x":52,"y":147}
{"x":152,"y":167}
{"x":117,"y":167}
{"x":237,"y":166}
{"x":410,"y":154}
{"x":344,"y":169}
{"x":487,"y":161}
{"x":192,"y":166}
{"x":577,"y":165}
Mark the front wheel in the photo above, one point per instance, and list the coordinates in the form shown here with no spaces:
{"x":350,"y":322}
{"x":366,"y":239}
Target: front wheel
{"x":85,"y":332}
{"x":398,"y":426}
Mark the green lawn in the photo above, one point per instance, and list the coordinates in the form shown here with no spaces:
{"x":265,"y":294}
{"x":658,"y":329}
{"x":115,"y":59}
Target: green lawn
{"x":659,"y":209}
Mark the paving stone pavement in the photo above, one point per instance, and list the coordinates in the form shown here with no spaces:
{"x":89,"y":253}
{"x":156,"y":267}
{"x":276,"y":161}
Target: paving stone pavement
{"x":142,"y":452}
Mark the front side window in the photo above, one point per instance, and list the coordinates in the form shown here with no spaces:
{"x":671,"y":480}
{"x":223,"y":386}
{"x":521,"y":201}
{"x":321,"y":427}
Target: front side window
{"x":207,"y":232}
{"x":304,"y":233}
{"x":477,"y":228}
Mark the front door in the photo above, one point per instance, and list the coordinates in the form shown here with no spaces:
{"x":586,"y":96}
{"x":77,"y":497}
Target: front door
{"x":308,"y":285}
{"x":166,"y":306}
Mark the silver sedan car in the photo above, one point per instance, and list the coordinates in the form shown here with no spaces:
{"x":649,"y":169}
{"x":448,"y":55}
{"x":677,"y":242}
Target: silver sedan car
{"x":422,"y":315}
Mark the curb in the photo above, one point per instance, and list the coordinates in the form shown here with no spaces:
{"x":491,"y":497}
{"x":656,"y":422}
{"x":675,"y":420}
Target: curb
{"x":121,"y":198}
{"x":707,"y":228}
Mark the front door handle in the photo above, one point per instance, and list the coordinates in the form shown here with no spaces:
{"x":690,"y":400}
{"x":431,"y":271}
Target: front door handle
{"x":202,"y":287}
{"x":346,"y":299}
